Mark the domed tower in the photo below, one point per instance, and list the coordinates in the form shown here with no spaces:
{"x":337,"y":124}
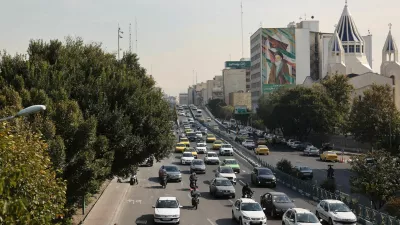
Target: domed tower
{"x":336,"y":57}
{"x":390,"y":57}
{"x":353,"y":44}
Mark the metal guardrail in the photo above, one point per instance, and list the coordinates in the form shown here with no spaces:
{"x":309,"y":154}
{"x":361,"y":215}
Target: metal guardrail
{"x":365,"y":215}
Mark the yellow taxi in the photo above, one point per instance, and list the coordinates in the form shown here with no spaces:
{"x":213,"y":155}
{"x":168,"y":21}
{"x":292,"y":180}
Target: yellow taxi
{"x":184,"y":140}
{"x":208,"y":119}
{"x":217,"y":144}
{"x":180,"y":147}
{"x":192,"y":150}
{"x":210,"y":138}
{"x":262,"y":149}
{"x":329,"y":156}
{"x":188,"y":130}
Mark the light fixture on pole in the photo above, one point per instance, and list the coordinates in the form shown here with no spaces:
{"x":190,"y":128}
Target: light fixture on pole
{"x":119,"y":37}
{"x":29,"y":110}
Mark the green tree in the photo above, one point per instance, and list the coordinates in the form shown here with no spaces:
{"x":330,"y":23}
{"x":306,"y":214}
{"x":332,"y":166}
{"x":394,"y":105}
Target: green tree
{"x":285,"y":166}
{"x":30,"y":193}
{"x":338,"y":88}
{"x":215,"y":106}
{"x":227,"y":112}
{"x":374,"y":119}
{"x":377,"y":177}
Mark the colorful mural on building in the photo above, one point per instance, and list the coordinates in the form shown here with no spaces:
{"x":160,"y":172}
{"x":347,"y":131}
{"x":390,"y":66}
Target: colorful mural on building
{"x":278,"y":58}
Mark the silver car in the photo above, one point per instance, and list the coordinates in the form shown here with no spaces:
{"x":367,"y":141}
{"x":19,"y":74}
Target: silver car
{"x":198,"y":166}
{"x":222,"y":187}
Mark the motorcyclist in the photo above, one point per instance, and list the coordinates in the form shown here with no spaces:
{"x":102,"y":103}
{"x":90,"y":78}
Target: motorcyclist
{"x":164,"y":177}
{"x":193,"y":180}
{"x":331,"y":171}
{"x":246,"y":190}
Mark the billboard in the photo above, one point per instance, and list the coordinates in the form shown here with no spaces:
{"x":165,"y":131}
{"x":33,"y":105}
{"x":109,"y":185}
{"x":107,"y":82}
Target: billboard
{"x":238,"y":64}
{"x":278,"y":58}
{"x":241,"y":109}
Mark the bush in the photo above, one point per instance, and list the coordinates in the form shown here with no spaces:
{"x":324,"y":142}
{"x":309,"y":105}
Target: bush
{"x":329,"y":185}
{"x":285,"y":166}
{"x":393,"y":207}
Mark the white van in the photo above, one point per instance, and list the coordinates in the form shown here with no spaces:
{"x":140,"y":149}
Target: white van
{"x":199,"y":111}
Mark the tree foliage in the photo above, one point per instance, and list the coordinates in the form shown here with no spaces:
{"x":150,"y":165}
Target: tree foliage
{"x":285,"y":166}
{"x":374,"y":118}
{"x":375,"y":174}
{"x":30,"y":193}
{"x":103,"y":117}
{"x":215,"y":106}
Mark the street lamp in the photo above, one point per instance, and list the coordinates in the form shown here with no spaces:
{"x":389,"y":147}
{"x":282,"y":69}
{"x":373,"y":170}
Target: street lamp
{"x":23,"y":112}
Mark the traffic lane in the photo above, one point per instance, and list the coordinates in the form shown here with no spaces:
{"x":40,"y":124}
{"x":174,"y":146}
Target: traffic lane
{"x":212,"y":207}
{"x":137,"y":205}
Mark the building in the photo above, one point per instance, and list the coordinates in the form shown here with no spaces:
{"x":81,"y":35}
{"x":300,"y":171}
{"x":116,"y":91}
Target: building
{"x":183,"y":99}
{"x":217,"y":91}
{"x":244,"y":63}
{"x":240,"y":99}
{"x":191,"y":95}
{"x":199,"y":93}
{"x":234,"y":80}
{"x":209,"y":90}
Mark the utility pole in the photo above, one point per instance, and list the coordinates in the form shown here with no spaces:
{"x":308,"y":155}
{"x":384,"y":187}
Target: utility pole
{"x":136,"y":35}
{"x":119,"y":37}
{"x":130,"y":39}
{"x":241,"y":19}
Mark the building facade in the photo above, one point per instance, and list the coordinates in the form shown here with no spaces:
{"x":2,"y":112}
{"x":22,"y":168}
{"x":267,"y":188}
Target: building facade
{"x":240,"y":99}
{"x":217,"y":91}
{"x":183,"y":99}
{"x":234,"y":80}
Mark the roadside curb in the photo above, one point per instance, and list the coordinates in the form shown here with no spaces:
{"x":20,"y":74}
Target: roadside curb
{"x":90,"y":206}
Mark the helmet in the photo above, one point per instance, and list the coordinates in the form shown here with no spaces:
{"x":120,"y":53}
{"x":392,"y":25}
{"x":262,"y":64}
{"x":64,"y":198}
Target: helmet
{"x":193,"y":173}
{"x":247,"y":184}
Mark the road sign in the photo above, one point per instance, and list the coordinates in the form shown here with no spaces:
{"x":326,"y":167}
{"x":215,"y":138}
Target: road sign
{"x":241,"y":109}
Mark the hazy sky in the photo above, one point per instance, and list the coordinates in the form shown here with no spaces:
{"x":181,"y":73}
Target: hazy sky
{"x":176,"y":37}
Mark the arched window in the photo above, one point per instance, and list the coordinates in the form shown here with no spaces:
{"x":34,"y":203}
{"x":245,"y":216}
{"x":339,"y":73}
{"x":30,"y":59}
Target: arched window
{"x":393,"y":80}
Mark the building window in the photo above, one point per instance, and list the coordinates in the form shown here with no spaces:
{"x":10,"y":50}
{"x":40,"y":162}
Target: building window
{"x":393,"y":80}
{"x":362,"y":49}
{"x":351,"y":48}
{"x":345,"y":48}
{"x":357,"y":48}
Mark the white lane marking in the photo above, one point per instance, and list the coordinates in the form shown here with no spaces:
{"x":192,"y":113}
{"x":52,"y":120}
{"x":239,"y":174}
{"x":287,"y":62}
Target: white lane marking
{"x":241,"y":182}
{"x":118,"y":209}
{"x":211,"y":222}
{"x":231,"y":201}
{"x":190,"y":197}
{"x":243,"y":171}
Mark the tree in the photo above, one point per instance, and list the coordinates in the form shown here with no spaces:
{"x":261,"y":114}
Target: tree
{"x":375,"y":175}
{"x":285,"y":166}
{"x":374,"y":119}
{"x":338,"y":88}
{"x":30,"y":193}
{"x":227,"y":112}
{"x":104,"y":116}
{"x":215,"y":107}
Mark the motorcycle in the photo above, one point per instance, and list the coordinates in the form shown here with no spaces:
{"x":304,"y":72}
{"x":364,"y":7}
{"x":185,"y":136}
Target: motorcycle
{"x":164,"y":183}
{"x":195,"y":198}
{"x":133,"y":180}
{"x":249,"y":195}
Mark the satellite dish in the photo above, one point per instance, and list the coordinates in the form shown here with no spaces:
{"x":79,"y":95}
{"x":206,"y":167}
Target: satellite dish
{"x":312,"y":17}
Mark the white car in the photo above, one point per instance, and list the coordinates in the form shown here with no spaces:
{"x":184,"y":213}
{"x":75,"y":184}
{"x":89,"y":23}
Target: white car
{"x":187,"y":158}
{"x":295,"y":144}
{"x":211,"y":158}
{"x":226,"y":149}
{"x":167,"y":210}
{"x":201,"y":148}
{"x":335,"y":212}
{"x":248,"y":211}
{"x":199,"y":134}
{"x":227,"y":172}
{"x":299,"y":216}
{"x":311,"y":151}
{"x":290,"y":142}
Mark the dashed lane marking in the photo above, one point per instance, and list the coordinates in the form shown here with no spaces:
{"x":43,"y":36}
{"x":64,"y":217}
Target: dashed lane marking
{"x":241,"y":182}
{"x":211,"y":222}
{"x":231,"y":201}
{"x":243,"y":171}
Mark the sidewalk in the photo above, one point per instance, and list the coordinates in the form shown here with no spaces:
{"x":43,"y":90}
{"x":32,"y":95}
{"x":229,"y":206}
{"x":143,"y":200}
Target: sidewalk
{"x":107,"y":207}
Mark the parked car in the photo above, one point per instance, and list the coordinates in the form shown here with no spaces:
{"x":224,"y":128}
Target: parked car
{"x":263,"y":176}
{"x":335,"y":212}
{"x":311,"y":151}
{"x":249,"y":144}
{"x":221,"y":186}
{"x":303,"y":146}
{"x":329,"y":156}
{"x":276,"y":203}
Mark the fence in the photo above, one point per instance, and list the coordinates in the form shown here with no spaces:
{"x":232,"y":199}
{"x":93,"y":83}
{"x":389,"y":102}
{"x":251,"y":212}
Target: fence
{"x":364,"y":214}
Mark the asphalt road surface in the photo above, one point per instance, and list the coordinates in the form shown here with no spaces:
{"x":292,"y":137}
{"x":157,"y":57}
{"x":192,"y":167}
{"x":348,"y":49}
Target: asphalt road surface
{"x":342,"y":172}
{"x":138,"y":200}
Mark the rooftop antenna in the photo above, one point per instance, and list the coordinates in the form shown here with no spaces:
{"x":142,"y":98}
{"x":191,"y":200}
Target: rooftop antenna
{"x":390,"y":26}
{"x":196,"y":77}
{"x":261,"y":24}
{"x":345,"y":2}
{"x":130,"y":38}
{"x":136,"y":34}
{"x":119,"y":37}
{"x":241,"y":20}
{"x":305,"y":16}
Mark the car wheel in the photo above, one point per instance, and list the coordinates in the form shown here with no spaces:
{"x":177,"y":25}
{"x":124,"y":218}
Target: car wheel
{"x":273,"y":213}
{"x":240,"y":221}
{"x":330,"y":221}
{"x":317,"y":215}
{"x":233,"y":217}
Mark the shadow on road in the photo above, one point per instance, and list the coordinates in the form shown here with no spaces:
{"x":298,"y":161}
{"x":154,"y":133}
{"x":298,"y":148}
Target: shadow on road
{"x":206,"y":182}
{"x":183,"y":189}
{"x":188,"y":207}
{"x":185,"y":172}
{"x":154,"y":187}
{"x":153,"y":179}
{"x":147,"y":219}
{"x":225,"y":221}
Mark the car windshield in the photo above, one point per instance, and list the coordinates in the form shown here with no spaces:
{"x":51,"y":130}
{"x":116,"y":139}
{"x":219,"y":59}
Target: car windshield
{"x":226,"y":170}
{"x":304,"y":168}
{"x":191,"y":134}
{"x":226,"y":146}
{"x":201,"y":145}
{"x":212,"y":155}
{"x":211,"y":136}
{"x":218,"y":142}
{"x":264,"y":172}
{"x":338,"y":207}
{"x":306,"y":218}
{"x":251,"y":207}
{"x":198,"y":162}
{"x":262,"y":146}
{"x":330,"y":153}
{"x":281,"y":199}
{"x":187,"y":154}
{"x":180,"y":145}
{"x":171,"y":169}
{"x":184,"y":139}
{"x":167,"y":204}
{"x":223,"y":183}
{"x":231,"y":162}
{"x":313,"y":149}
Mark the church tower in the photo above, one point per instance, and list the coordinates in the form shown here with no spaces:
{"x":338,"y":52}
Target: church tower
{"x":336,"y":57}
{"x":353,"y":44}
{"x":390,"y":57}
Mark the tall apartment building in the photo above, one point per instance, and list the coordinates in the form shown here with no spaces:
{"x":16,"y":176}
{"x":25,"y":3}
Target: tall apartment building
{"x":217,"y":91}
{"x":234,"y":80}
{"x":183,"y":99}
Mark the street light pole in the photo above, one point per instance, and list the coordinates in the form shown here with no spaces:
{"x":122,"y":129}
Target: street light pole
{"x":119,"y":37}
{"x":29,"y":110}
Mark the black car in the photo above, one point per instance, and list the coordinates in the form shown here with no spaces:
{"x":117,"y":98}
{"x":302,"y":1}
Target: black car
{"x":263,"y":176}
{"x":303,"y":146}
{"x":276,"y":203}
{"x":303,"y":172}
{"x":191,"y":136}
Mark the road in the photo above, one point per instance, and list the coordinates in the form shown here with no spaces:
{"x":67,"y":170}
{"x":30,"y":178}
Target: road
{"x":342,"y":172}
{"x":138,"y":200}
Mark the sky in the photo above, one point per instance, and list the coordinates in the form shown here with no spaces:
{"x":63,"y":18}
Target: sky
{"x":177,"y":37}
